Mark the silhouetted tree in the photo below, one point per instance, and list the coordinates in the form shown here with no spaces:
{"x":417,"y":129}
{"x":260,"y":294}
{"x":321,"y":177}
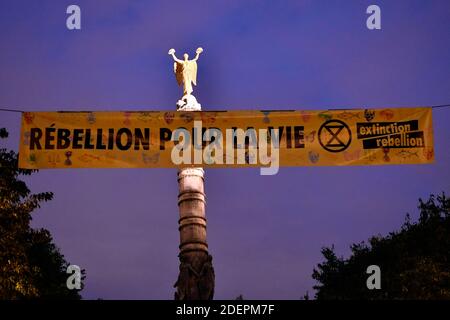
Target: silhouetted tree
{"x":414,"y":261}
{"x":305,"y":296}
{"x":31,"y":266}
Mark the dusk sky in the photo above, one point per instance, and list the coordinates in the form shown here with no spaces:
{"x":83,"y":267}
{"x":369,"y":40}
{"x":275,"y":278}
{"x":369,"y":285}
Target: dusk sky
{"x":264,"y":232}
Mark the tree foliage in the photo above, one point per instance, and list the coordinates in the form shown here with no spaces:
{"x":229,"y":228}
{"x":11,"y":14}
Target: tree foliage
{"x":414,"y":261}
{"x":31,"y":266}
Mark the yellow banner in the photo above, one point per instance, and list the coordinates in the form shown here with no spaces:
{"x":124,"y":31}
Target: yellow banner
{"x":225,"y":138}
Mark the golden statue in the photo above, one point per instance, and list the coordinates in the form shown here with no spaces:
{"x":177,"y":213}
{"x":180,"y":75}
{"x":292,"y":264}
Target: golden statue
{"x":186,"y":71}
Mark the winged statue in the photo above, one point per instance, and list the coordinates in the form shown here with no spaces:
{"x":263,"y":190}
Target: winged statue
{"x":186,"y":70}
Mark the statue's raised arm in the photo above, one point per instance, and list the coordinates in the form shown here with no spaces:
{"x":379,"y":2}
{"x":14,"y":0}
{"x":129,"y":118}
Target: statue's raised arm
{"x":198,"y":51}
{"x":172,"y":53}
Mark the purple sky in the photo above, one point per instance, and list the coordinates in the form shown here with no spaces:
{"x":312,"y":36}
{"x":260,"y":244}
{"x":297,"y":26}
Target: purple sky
{"x":264,"y":232}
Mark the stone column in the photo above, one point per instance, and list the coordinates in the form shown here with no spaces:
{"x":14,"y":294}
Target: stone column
{"x":196,"y":277}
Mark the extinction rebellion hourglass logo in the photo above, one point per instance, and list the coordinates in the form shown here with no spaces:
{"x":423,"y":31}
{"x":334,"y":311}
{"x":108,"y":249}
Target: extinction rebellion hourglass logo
{"x":335,"y":136}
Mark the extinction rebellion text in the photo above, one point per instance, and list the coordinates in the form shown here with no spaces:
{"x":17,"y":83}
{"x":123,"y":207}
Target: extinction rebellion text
{"x":391,"y":135}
